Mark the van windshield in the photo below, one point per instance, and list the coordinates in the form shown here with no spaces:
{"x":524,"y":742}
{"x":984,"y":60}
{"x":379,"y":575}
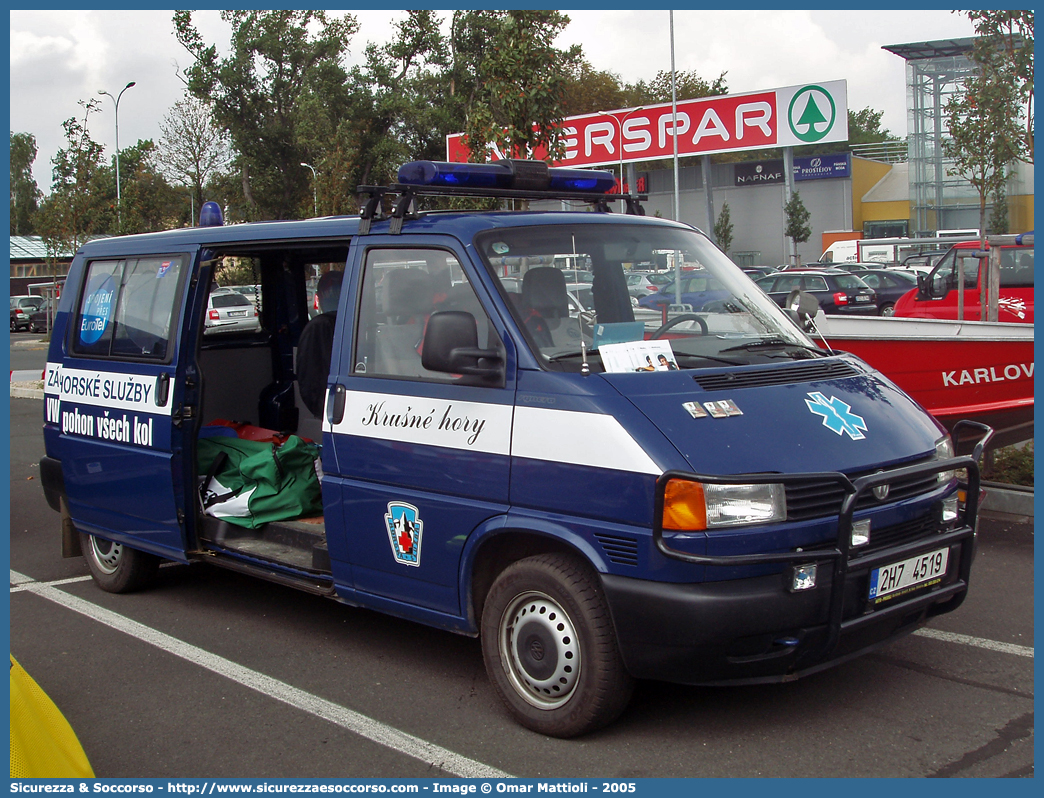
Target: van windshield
{"x":706,"y":313}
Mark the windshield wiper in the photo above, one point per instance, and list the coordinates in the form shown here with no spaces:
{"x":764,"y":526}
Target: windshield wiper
{"x":772,"y":342}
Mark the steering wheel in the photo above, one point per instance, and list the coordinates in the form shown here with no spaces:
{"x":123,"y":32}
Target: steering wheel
{"x":678,"y":320}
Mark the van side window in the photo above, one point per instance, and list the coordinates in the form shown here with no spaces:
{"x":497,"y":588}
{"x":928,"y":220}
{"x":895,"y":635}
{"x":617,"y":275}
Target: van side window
{"x":1017,"y":268}
{"x":400,"y":290}
{"x":127,"y":308}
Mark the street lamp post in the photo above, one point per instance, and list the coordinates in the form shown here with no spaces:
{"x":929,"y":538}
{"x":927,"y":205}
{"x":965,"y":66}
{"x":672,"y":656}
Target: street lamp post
{"x":116,"y":99}
{"x":315,"y":187}
{"x":621,"y":123}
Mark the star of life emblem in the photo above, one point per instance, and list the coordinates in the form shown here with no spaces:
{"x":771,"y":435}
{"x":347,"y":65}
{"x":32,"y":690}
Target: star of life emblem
{"x":404,"y":531}
{"x":837,"y":415}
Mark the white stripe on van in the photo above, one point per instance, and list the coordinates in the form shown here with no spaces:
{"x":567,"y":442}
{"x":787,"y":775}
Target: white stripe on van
{"x":589,"y":439}
{"x":559,"y":436}
{"x":109,"y":389}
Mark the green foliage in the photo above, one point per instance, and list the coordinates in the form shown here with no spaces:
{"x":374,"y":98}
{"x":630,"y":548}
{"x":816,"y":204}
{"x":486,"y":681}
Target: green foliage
{"x":1012,"y":466}
{"x":280,"y":88}
{"x":797,"y":219}
{"x":80,"y":203}
{"x":148,"y":202}
{"x":723,"y":229}
{"x":25,"y":194}
{"x":516,"y":77}
{"x":1004,"y":49}
{"x":985,"y":134}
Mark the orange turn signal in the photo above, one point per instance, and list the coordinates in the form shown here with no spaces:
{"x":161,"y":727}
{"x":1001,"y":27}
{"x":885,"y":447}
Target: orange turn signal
{"x":684,"y":506}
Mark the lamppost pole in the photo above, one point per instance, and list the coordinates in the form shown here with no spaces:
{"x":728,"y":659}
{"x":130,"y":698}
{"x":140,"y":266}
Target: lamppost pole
{"x":315,"y":187}
{"x":621,"y":121}
{"x":116,"y":99}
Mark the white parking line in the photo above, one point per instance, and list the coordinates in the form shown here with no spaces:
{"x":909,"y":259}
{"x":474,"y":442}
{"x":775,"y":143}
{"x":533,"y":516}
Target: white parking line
{"x":978,"y":642}
{"x":429,"y":753}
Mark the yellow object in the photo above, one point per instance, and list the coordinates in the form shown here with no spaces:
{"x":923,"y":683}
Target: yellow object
{"x":43,"y":744}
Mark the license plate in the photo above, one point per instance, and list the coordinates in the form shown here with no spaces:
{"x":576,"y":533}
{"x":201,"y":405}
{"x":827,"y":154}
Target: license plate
{"x":862,"y":299}
{"x":898,"y":578}
{"x":237,"y":313}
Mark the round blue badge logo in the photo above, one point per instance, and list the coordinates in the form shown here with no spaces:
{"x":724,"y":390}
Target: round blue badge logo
{"x":97,"y":311}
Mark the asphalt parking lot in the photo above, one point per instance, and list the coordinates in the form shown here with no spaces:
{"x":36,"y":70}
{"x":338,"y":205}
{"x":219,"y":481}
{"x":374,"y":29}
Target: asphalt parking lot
{"x":212,"y":674}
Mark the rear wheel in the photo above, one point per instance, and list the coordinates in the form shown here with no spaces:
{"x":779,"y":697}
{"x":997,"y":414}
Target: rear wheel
{"x":550,"y":648}
{"x":888,"y":309}
{"x":115,"y":567}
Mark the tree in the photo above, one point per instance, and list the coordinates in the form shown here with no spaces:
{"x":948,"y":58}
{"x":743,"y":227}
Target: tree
{"x":797,"y":222}
{"x":588,"y":91}
{"x":193,"y":150}
{"x":723,"y":229}
{"x":282,"y":82}
{"x":517,"y":80}
{"x":1004,"y":48}
{"x":149,"y":201}
{"x":688,"y":85}
{"x":81,"y":203}
{"x":25,"y":194}
{"x":985,"y":133}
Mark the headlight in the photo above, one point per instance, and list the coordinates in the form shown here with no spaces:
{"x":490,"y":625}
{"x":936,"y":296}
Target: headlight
{"x":944,"y":451}
{"x":696,"y":505}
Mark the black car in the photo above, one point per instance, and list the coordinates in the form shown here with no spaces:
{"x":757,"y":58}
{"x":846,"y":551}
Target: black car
{"x":838,"y":292}
{"x":40,"y":320}
{"x":889,"y":284}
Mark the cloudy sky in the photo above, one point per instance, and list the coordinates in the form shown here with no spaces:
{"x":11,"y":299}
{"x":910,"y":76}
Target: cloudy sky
{"x":61,"y":57}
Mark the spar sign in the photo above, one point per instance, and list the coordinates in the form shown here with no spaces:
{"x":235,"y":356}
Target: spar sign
{"x":811,"y":113}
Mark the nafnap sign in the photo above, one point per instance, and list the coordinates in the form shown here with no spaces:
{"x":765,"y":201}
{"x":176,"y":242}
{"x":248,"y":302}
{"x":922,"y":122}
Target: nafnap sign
{"x":786,"y":117}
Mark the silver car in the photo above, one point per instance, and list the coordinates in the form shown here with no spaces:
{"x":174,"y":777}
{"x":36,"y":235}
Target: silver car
{"x":230,"y":311}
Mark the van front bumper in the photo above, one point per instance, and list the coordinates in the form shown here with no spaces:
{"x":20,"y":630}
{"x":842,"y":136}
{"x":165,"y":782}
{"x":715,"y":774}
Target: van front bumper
{"x":756,"y":630}
{"x":761,"y":628}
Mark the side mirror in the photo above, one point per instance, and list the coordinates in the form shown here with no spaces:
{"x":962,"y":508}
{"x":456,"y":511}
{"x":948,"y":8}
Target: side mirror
{"x":451,"y":346}
{"x":802,"y":308}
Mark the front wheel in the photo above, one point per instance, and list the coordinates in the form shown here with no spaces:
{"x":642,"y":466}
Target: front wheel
{"x":550,"y":648}
{"x":115,"y":567}
{"x":888,"y":309}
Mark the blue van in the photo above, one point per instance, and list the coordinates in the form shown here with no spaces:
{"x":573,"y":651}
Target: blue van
{"x":600,"y":496}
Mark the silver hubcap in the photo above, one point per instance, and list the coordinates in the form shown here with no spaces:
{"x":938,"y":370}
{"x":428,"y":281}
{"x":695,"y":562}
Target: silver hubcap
{"x":106,"y":554}
{"x":540,"y":646}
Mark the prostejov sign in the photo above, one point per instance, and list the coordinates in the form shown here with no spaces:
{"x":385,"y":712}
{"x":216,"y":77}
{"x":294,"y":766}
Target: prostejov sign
{"x":818,"y":167}
{"x":811,"y":113}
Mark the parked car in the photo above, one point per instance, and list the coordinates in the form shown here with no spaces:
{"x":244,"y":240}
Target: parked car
{"x":889,"y":284}
{"x":757,"y":272}
{"x":697,"y":290}
{"x":578,"y":276}
{"x":936,"y":294}
{"x":22,"y":307}
{"x":230,"y":311}
{"x":641,"y":284}
{"x":41,"y":319}
{"x":838,"y":292}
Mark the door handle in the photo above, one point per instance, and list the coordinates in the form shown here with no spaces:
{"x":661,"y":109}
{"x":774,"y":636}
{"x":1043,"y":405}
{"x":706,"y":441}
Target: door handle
{"x":162,"y":389}
{"x":335,"y":404}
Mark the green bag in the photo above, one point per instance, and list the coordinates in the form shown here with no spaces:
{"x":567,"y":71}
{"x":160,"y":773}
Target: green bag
{"x":249,"y":483}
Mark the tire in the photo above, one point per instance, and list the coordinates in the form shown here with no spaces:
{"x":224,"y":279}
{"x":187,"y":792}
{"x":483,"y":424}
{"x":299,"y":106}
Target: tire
{"x":887,"y":309}
{"x":116,"y":568}
{"x":550,"y":648}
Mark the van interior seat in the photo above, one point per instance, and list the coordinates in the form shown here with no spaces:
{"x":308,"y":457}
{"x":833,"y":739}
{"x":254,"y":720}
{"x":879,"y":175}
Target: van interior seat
{"x":407,"y":302}
{"x":545,"y":304}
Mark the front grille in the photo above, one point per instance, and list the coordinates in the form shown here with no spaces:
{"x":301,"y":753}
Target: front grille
{"x":817,"y":499}
{"x":620,"y":550}
{"x":757,"y":378}
{"x":899,"y":534}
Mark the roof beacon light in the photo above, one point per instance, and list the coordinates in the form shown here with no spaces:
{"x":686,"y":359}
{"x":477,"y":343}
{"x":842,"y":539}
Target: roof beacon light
{"x":210,"y":215}
{"x":506,"y":174}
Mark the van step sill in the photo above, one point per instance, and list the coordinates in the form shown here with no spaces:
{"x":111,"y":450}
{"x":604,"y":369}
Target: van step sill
{"x":295,"y":544}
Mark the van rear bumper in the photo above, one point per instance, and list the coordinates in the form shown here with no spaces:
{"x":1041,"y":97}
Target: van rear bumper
{"x":53,"y":481}
{"x":755,"y":630}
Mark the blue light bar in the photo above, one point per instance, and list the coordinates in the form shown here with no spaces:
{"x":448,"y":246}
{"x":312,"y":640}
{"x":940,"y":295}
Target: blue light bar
{"x":463,"y":175}
{"x":597,"y":181}
{"x":523,"y":175}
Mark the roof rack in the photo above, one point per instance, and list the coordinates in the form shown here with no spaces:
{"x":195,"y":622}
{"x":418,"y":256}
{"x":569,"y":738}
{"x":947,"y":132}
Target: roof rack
{"x":508,"y":179}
